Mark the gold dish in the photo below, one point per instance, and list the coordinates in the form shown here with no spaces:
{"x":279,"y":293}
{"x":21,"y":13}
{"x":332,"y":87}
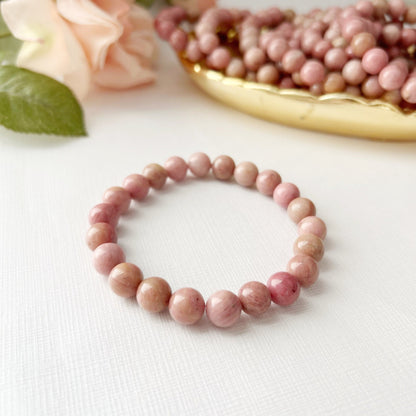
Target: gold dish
{"x":337,"y":113}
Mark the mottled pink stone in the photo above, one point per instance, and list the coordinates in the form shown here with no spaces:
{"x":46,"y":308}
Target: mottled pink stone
{"x":119,"y":197}
{"x":186,"y":306}
{"x":199,"y":164}
{"x":124,"y":279}
{"x":285,"y":193}
{"x":103,"y":213}
{"x":255,"y":298}
{"x":176,"y":168}
{"x":374,"y":60}
{"x":137,"y":185}
{"x":299,"y":208}
{"x":100,"y":233}
{"x":107,"y":256}
{"x":312,"y":225}
{"x":284,"y":288}
{"x":309,"y":245}
{"x":223,"y":308}
{"x":267,"y":180}
{"x":156,"y":175}
{"x":304,"y":268}
{"x":153,"y":294}
{"x":223,"y":167}
{"x":245,"y":174}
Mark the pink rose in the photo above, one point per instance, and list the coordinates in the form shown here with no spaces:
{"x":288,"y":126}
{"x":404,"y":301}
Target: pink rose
{"x":194,"y":7}
{"x":75,"y":41}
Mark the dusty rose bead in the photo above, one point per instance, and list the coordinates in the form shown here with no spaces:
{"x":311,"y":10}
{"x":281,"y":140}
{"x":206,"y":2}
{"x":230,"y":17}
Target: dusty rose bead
{"x":309,"y":245}
{"x":106,"y":256}
{"x":156,"y":175}
{"x":247,"y":42}
{"x":186,"y":306}
{"x":397,"y":8}
{"x":316,"y":89}
{"x":321,"y":48}
{"x":381,"y":8}
{"x":365,"y":8}
{"x":286,"y":83}
{"x":334,"y":82}
{"x":312,"y":225}
{"x":267,"y":181}
{"x":312,"y":72}
{"x":119,"y":197}
{"x":178,"y":40}
{"x":284,"y":288}
{"x":297,"y":79}
{"x":304,"y":268}
{"x":124,"y":279}
{"x":408,"y":37}
{"x":153,"y":294}
{"x":276,"y":48}
{"x":353,"y":72}
{"x":254,"y":58}
{"x":223,"y":167}
{"x":219,"y":58}
{"x":193,"y":52}
{"x":361,"y":43}
{"x":255,"y":298}
{"x":103,"y":213}
{"x":391,"y":34}
{"x":352,"y":27}
{"x":245,"y":174}
{"x":353,"y":90}
{"x":199,"y":164}
{"x":299,"y":208}
{"x":393,"y":76}
{"x":374,"y":60}
{"x":335,"y":59}
{"x":285,"y":193}
{"x":137,"y":185}
{"x":223,"y":308}
{"x":165,"y":28}
{"x":100,"y":233}
{"x":176,"y":168}
{"x":309,"y":39}
{"x":236,"y":68}
{"x":371,"y":88}
{"x":408,"y":90}
{"x":208,"y":42}
{"x":410,"y":16}
{"x":393,"y":97}
{"x":268,"y":74}
{"x":293,"y":61}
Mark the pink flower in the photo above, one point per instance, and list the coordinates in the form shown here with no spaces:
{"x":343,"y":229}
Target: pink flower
{"x":75,"y":41}
{"x":194,"y":7}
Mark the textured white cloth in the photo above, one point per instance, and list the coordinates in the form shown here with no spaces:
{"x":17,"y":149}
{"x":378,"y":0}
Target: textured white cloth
{"x":69,"y":346}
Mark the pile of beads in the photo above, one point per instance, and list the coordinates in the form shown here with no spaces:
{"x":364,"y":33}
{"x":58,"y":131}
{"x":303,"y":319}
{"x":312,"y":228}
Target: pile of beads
{"x":365,"y":50}
{"x":187,"y":305}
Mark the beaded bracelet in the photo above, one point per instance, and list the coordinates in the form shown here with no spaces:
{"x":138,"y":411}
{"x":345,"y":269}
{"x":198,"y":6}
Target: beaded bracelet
{"x":187,"y":305}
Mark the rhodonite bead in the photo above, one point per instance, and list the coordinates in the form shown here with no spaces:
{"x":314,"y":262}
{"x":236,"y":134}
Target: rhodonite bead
{"x":285,"y":193}
{"x":267,"y":180}
{"x":119,"y":197}
{"x":100,"y":233}
{"x":312,"y":225}
{"x":284,"y":288}
{"x":153,"y":294}
{"x":309,"y":245}
{"x":156,"y":175}
{"x":255,"y":298}
{"x":137,"y":185}
{"x":107,"y":256}
{"x":304,"y":268}
{"x":176,"y":168}
{"x":299,"y":208}
{"x":245,"y":174}
{"x":124,"y":279}
{"x":374,"y":60}
{"x":103,"y":213}
{"x":199,"y":164}
{"x":223,"y":308}
{"x":186,"y":306}
{"x":223,"y":167}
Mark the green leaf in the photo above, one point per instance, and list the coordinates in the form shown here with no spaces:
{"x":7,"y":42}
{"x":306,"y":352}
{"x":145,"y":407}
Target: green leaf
{"x":145,"y":3}
{"x":34,"y":103}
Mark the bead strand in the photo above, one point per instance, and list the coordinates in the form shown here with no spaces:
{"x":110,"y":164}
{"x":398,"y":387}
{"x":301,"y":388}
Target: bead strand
{"x":187,"y":305}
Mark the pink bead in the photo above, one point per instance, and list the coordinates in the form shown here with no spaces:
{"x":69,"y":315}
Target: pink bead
{"x":309,"y":245}
{"x":124,"y":279}
{"x":193,"y":52}
{"x":361,"y":43}
{"x":176,"y":168}
{"x":137,"y":185}
{"x":353,"y":72}
{"x":408,"y":90}
{"x":304,"y":268}
{"x":285,"y":193}
{"x":186,"y":306}
{"x":223,"y":308}
{"x":236,"y":68}
{"x":119,"y":197}
{"x":277,"y":48}
{"x":321,"y":49}
{"x":286,"y":83}
{"x":408,"y":37}
{"x":199,"y":164}
{"x":365,"y":8}
{"x":352,"y":27}
{"x":309,"y":39}
{"x":397,"y":8}
{"x":103,"y":213}
{"x":391,"y":34}
{"x":245,"y":174}
{"x":165,"y":28}
{"x":300,"y":208}
{"x":284,"y":288}
{"x":254,"y":58}
{"x":371,"y":88}
{"x":219,"y":58}
{"x":153,"y":294}
{"x":255,"y":298}
{"x":312,"y":225}
{"x":312,"y":72}
{"x":156,"y":175}
{"x":335,"y":59}
{"x":268,"y":74}
{"x":293,"y":61}
{"x":178,"y":40}
{"x":107,"y":256}
{"x":375,"y":60}
{"x":393,"y":76}
{"x":267,"y":181}
{"x":223,"y":167}
{"x":100,"y":233}
{"x":208,"y":42}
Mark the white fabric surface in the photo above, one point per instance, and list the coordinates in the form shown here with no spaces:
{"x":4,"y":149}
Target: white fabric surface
{"x":69,"y":346}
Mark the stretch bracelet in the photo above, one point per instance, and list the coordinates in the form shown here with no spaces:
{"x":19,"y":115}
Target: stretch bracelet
{"x":187,"y":305}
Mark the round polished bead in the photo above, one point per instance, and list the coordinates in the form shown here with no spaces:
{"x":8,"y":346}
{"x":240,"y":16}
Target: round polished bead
{"x":199,"y":164}
{"x":119,"y":197}
{"x":312,"y":225}
{"x":304,"y":268}
{"x":284,"y":288}
{"x":137,"y":185}
{"x":309,"y":245}
{"x":361,"y":43}
{"x":335,"y":59}
{"x":285,"y":193}
{"x":156,"y":175}
{"x":334,"y":82}
{"x":103,"y":213}
{"x":100,"y":233}
{"x":293,"y":61}
{"x":267,"y":74}
{"x":219,"y":58}
{"x":245,"y":174}
{"x":276,"y":48}
{"x":208,"y":42}
{"x":374,"y":60}
{"x":267,"y":180}
{"x":255,"y":298}
{"x":312,"y":72}
{"x":176,"y":168}
{"x":371,"y":88}
{"x":223,"y":308}
{"x":391,"y":34}
{"x":178,"y":40}
{"x":153,"y":294}
{"x":186,"y":306}
{"x":353,"y":72}
{"x":193,"y":52}
{"x":299,"y":208}
{"x":124,"y":279}
{"x":254,"y":58}
{"x":410,"y":16}
{"x":107,"y":256}
{"x":392,"y":77}
{"x":223,"y":167}
{"x":408,"y":90}
{"x":236,"y":68}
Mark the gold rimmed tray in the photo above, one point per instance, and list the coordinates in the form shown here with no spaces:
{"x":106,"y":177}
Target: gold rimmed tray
{"x":332,"y":113}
